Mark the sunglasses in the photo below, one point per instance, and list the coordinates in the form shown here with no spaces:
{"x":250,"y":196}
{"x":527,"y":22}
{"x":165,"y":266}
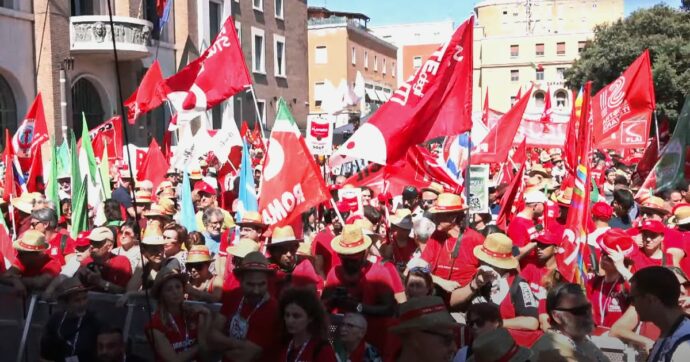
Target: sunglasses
{"x":420,"y":269}
{"x":97,"y":244}
{"x":578,"y":311}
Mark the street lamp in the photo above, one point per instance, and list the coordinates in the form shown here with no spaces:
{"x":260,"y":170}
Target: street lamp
{"x":66,"y":64}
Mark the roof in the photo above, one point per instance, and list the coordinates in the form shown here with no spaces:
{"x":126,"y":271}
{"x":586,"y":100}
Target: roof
{"x":318,"y":9}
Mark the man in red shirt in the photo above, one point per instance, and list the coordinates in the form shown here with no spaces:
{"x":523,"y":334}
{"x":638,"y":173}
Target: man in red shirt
{"x":282,"y":254}
{"x":523,"y":229}
{"x":402,"y":245}
{"x":34,"y":269}
{"x":104,"y":270}
{"x":449,"y":250}
{"x":242,"y":329}
{"x":61,"y":244}
{"x":652,"y":252}
{"x":654,"y":208}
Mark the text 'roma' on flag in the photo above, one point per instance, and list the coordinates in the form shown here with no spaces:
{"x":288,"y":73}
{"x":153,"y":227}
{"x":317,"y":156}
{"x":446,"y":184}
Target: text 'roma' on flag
{"x":30,"y":134}
{"x":435,"y":102}
{"x":291,"y":181}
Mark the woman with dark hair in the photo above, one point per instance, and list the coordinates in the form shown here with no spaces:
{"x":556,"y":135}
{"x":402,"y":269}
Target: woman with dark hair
{"x":305,"y":323}
{"x":418,"y":282}
{"x":128,"y":243}
{"x":175,"y":236}
{"x":112,"y":212}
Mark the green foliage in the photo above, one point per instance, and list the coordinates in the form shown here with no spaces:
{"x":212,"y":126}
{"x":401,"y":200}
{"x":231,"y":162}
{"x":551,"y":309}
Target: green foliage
{"x":664,"y":31}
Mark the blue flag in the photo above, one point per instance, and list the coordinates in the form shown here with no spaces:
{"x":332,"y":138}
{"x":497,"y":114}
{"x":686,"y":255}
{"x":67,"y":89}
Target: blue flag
{"x":187,"y":217}
{"x":166,"y":16}
{"x":247,"y":197}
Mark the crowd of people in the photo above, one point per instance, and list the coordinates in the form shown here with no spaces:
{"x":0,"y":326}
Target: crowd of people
{"x":422,"y":279}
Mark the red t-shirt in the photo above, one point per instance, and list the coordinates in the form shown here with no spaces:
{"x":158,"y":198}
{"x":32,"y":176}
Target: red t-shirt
{"x":402,"y":255}
{"x":396,"y":280}
{"x":641,"y":260}
{"x":325,"y":352}
{"x":608,"y":299}
{"x":520,"y":302}
{"x":261,"y":324}
{"x":322,"y":247}
{"x":47,"y":265}
{"x":56,"y":250}
{"x":518,"y":231}
{"x":180,"y":332}
{"x":438,"y":253}
{"x":117,"y":270}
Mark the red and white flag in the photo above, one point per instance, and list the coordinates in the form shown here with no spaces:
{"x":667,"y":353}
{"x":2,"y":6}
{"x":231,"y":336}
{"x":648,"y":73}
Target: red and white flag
{"x":108,"y":133}
{"x":219,"y":73}
{"x":622,"y":110}
{"x":436,"y":101}
{"x":146,"y":97}
{"x":31,"y":134}
{"x":545,"y":118}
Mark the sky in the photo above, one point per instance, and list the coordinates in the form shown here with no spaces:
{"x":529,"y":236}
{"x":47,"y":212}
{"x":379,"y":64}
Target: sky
{"x":384,"y":12}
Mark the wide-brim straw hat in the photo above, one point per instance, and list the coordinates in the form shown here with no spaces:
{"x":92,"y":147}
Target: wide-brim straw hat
{"x":243,"y":247}
{"x":304,"y":249}
{"x":153,"y":235}
{"x":655,"y":204}
{"x":563,"y":197}
{"x":25,"y":202}
{"x":497,"y":250}
{"x":423,"y":313}
{"x":434,"y":187}
{"x":124,"y":174}
{"x":405,"y":223}
{"x":498,"y":345}
{"x":399,"y":215}
{"x":143,"y":197}
{"x":539,"y":169}
{"x":195,"y":174}
{"x":254,"y":262}
{"x":351,"y":241}
{"x":70,"y":286}
{"x":163,"y":276}
{"x":164,"y":207}
{"x":199,"y":254}
{"x":252,"y":218}
{"x":681,"y":213}
{"x":31,"y":240}
{"x":447,"y":203}
{"x":284,"y":234}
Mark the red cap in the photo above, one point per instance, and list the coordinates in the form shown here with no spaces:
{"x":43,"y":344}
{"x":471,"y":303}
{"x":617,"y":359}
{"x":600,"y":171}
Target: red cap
{"x":83,"y":239}
{"x":602,"y":211}
{"x":615,"y":239}
{"x":654,"y":226}
{"x":204,"y":187}
{"x":549,"y":238}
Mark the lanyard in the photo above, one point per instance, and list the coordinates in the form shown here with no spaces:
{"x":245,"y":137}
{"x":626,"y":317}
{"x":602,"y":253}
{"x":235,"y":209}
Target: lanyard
{"x":299,"y":354}
{"x":239,"y":308}
{"x":603,"y":306}
{"x":177,"y":329}
{"x":73,"y":343}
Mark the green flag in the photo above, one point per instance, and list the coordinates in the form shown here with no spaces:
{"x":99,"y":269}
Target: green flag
{"x":80,"y":208}
{"x":52,"y":187}
{"x":103,"y":170}
{"x":74,"y":165}
{"x":63,"y":159}
{"x":670,"y":168}
{"x":87,"y":159}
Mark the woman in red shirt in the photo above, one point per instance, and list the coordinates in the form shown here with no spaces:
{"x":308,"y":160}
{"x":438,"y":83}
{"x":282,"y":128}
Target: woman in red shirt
{"x":177,"y":333}
{"x":305,"y":323}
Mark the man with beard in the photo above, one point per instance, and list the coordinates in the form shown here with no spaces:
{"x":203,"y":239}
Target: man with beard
{"x":104,"y":270}
{"x":213,"y":224}
{"x":324,"y":256}
{"x":523,"y":229}
{"x":208,"y":199}
{"x":571,"y":319}
{"x":357,"y":285}
{"x":282,"y":252}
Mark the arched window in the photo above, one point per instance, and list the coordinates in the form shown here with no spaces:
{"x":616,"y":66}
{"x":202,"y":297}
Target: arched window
{"x":8,"y":109}
{"x":539,"y":99}
{"x":561,"y":99}
{"x":85,"y":99}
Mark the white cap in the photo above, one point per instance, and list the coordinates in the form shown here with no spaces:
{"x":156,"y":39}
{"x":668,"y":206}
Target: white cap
{"x":535,"y":197}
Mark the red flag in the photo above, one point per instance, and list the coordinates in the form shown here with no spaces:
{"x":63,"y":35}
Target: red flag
{"x":166,"y":147}
{"x":570,"y":147}
{"x":520,"y":155}
{"x":244,"y":130}
{"x":35,"y":181}
{"x":545,"y":118}
{"x":6,"y":248}
{"x":257,"y":139}
{"x":10,"y":187}
{"x":519,"y":94}
{"x":160,"y":7}
{"x":110,"y":133}
{"x":622,"y":110}
{"x":496,"y":145}
{"x":146,"y":97}
{"x":509,"y":198}
{"x":219,"y":73}
{"x":646,"y":164}
{"x":154,"y":165}
{"x":485,"y":111}
{"x":31,"y":134}
{"x":435,"y":102}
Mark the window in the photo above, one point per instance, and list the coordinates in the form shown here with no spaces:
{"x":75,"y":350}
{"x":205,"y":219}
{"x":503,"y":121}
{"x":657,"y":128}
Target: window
{"x":258,"y":5}
{"x":279,"y":55}
{"x":514,"y":51}
{"x":261,"y":104}
{"x":238,"y":27}
{"x":321,"y":55}
{"x":318,"y":93}
{"x":417,"y":62}
{"x":514,"y":75}
{"x":239,"y":116}
{"x":86,"y":100}
{"x":393,"y":69}
{"x":376,"y":63}
{"x":513,"y":100}
{"x":354,"y":56}
{"x":560,"y":48}
{"x":581,"y":46}
{"x":215,"y":11}
{"x":8,"y":108}
{"x":7,"y":4}
{"x":279,"y":9}
{"x":366,"y":59}
{"x":561,"y":73}
{"x":217,"y":116}
{"x":258,"y":51}
{"x":539,"y":50}
{"x":383,"y":66}
{"x":540,"y":74}
{"x":561,"y":97}
{"x":539,"y":99}
{"x":79,"y":7}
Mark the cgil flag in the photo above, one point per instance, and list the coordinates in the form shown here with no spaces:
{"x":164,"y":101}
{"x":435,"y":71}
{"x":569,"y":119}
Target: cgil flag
{"x":31,"y":134}
{"x":435,"y":102}
{"x":291,"y":181}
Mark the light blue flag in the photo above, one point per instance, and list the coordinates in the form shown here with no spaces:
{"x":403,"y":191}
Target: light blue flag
{"x":187,"y":216}
{"x":247,"y":198}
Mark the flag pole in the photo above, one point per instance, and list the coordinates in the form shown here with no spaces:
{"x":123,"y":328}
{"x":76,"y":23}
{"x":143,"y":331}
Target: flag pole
{"x":256,"y":109}
{"x":467,"y":177}
{"x":656,"y":129}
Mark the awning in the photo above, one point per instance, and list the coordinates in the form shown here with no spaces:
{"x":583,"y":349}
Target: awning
{"x":382,"y":95}
{"x":371,"y":94}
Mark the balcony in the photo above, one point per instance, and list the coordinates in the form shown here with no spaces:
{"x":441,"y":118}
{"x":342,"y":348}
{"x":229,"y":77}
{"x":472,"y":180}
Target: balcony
{"x":90,"y":35}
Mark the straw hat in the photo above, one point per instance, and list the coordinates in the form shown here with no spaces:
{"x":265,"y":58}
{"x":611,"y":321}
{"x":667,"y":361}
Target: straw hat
{"x":434,"y":187}
{"x":252,"y":218}
{"x":163,"y":276}
{"x":31,"y":240}
{"x":421,"y":313}
{"x":556,"y":158}
{"x":539,"y":170}
{"x":404,"y":223}
{"x":199,"y":254}
{"x":70,"y":286}
{"x":282,"y":235}
{"x":498,"y":345}
{"x":544,"y":157}
{"x":243,"y":247}
{"x":563,"y":197}
{"x":654,"y":204}
{"x":351,"y":241}
{"x":447,"y":203}
{"x":153,"y":235}
{"x":305,"y":249}
{"x":366,"y":226}
{"x":143,"y":197}
{"x":25,"y":202}
{"x":254,"y":261}
{"x":143,"y":185}
{"x":171,"y":171}
{"x":399,"y":215}
{"x":164,"y":186}
{"x":497,"y":250}
{"x":195,"y":174}
{"x":164,"y":207}
{"x":681,"y":214}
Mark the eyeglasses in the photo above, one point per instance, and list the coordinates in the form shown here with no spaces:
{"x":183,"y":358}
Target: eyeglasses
{"x":447,"y":338}
{"x":420,"y":269}
{"x":578,"y":311}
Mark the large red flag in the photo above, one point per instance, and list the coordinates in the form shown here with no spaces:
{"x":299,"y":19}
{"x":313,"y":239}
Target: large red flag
{"x":219,"y":73}
{"x":154,"y":165}
{"x":520,"y":155}
{"x":646,"y":164}
{"x":146,"y":97}
{"x":570,"y":146}
{"x":435,"y":102}
{"x":622,"y":110}
{"x":496,"y":145}
{"x":35,"y":181}
{"x":291,"y":181}
{"x":508,"y":199}
{"x":108,"y":133}
{"x":31,"y":134}
{"x":485,"y":111}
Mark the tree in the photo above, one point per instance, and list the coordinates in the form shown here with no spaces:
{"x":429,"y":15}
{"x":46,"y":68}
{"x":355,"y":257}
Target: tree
{"x":664,"y":31}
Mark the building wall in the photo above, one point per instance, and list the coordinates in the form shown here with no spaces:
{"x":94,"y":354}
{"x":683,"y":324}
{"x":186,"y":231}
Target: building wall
{"x":409,"y":52}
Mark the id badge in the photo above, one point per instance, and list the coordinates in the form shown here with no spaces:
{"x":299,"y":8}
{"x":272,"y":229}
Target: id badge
{"x":72,"y":359}
{"x":238,"y":327}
